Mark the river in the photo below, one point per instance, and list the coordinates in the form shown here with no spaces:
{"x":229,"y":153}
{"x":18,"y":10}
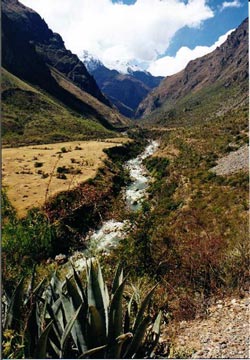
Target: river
{"x":107,"y":236}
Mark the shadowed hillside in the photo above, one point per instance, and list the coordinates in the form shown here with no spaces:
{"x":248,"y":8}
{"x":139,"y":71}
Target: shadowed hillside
{"x":32,"y":52}
{"x":31,"y":116}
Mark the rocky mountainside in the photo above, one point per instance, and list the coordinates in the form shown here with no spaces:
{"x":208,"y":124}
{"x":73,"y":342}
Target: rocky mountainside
{"x":125,"y":91}
{"x":32,"y":52}
{"x":208,"y":86}
{"x":223,"y":333}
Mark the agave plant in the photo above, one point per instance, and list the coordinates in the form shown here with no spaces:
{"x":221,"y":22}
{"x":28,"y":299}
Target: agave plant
{"x":70,"y":320}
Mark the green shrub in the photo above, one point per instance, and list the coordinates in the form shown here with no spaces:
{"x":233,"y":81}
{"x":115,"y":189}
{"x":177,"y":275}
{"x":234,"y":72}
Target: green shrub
{"x":157,"y":166}
{"x":64,"y":150}
{"x":61,"y":176}
{"x":62,"y":170}
{"x":7,"y":210}
{"x":38,"y":164}
{"x":32,"y":236}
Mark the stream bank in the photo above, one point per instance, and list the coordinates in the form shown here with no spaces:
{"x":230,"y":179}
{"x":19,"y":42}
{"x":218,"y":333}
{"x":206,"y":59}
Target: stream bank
{"x":106,"y":237}
{"x":74,"y":213}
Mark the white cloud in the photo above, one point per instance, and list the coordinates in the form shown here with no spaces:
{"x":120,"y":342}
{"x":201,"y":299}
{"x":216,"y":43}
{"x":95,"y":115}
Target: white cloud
{"x":169,"y":65}
{"x":115,"y":31}
{"x":230,"y":4}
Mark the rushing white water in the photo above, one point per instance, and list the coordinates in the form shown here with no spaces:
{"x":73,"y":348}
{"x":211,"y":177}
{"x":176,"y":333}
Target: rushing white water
{"x":108,"y":235}
{"x":111,"y":232}
{"x":135,"y":192}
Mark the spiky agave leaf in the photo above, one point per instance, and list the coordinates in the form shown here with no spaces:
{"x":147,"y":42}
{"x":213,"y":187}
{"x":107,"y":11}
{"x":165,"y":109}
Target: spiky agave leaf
{"x":54,"y":347}
{"x":117,"y":279}
{"x":142,"y":309}
{"x":39,"y":289}
{"x":14,"y":308}
{"x":31,"y":332}
{"x":137,"y":338}
{"x":93,"y":351}
{"x":115,"y":322}
{"x":75,"y":301}
{"x":105,"y":297}
{"x":96,"y":328}
{"x":127,"y":319}
{"x":67,"y":331}
{"x":29,"y":291}
{"x":79,"y":284}
{"x":56,"y":331}
{"x":42,"y":346}
{"x":97,"y":296}
{"x":156,"y":332}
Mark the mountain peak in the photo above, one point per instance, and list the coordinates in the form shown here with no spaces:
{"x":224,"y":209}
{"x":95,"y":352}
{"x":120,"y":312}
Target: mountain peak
{"x":90,"y":61}
{"x":124,"y":89}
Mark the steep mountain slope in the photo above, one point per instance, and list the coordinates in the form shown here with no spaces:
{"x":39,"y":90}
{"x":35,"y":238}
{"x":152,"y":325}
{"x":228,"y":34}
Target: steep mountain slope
{"x":125,"y":91}
{"x":208,"y":86}
{"x":31,"y":116}
{"x":32,"y":52}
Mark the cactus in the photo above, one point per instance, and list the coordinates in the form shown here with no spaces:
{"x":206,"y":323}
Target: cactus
{"x":71,"y":320}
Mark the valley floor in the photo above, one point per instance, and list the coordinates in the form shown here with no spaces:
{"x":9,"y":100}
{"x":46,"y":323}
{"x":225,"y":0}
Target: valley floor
{"x":224,"y":333}
{"x":33,"y":173}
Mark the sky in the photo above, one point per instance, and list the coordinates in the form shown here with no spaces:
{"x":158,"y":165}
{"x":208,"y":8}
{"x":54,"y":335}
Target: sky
{"x":160,"y":36}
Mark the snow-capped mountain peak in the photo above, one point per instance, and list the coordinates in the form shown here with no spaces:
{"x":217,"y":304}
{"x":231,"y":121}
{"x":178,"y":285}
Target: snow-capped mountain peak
{"x":124,"y":67}
{"x":123,"y":83}
{"x":91,"y":62}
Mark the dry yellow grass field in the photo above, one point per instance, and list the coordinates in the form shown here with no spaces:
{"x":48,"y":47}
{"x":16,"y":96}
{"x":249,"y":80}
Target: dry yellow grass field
{"x":30,"y":173}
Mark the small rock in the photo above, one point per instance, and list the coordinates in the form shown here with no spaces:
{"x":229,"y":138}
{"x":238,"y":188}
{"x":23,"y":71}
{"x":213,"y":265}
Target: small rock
{"x":200,"y":353}
{"x":61,"y":259}
{"x":205,"y":340}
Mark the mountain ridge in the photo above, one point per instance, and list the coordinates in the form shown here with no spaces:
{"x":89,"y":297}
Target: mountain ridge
{"x":32,"y":52}
{"x":31,"y":116}
{"x":47,"y":44}
{"x":223,"y":72}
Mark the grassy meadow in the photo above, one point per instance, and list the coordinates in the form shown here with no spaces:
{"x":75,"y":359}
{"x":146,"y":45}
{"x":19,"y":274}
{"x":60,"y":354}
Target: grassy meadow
{"x":31,"y":174}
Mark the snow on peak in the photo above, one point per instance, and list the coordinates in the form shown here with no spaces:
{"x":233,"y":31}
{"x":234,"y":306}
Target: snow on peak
{"x":124,"y":67}
{"x":90,"y":61}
